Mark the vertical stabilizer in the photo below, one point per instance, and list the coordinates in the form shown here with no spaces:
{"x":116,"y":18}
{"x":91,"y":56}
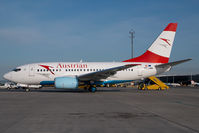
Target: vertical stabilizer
{"x":160,"y":50}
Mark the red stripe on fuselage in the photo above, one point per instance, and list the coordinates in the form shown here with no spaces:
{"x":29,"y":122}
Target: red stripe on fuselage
{"x":48,"y":68}
{"x":149,"y":57}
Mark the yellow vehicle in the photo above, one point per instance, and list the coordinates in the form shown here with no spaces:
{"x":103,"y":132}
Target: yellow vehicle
{"x":159,"y":85}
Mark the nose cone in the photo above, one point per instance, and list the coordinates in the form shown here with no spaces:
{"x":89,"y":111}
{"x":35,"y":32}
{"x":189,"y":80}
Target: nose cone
{"x":7,"y":76}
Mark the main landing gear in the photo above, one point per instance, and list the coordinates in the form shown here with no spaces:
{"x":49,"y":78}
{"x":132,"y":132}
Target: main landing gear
{"x":92,"y":89}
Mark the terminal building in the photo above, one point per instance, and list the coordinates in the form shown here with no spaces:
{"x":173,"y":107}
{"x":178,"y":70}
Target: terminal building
{"x":181,"y":79}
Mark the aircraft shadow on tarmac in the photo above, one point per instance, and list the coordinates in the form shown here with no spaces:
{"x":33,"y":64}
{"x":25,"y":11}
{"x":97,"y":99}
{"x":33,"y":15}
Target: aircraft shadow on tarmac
{"x":75,"y":91}
{"x":60,"y":90}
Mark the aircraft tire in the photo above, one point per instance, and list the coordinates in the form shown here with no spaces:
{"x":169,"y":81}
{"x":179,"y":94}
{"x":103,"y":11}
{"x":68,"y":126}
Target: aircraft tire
{"x":27,"y":89}
{"x":92,"y":89}
{"x":141,"y":86}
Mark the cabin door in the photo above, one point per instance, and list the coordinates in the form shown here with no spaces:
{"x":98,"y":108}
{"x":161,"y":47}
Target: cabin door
{"x":31,"y":71}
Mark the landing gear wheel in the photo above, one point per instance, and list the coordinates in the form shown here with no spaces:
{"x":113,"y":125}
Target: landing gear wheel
{"x":141,"y":86}
{"x":92,"y":89}
{"x":27,"y":89}
{"x":85,"y":88}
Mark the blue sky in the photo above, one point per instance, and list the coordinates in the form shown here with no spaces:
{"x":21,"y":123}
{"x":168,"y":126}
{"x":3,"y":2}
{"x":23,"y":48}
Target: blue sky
{"x":93,"y":30}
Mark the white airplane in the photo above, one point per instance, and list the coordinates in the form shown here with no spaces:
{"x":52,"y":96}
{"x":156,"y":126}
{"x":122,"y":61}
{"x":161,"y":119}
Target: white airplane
{"x":71,"y":75}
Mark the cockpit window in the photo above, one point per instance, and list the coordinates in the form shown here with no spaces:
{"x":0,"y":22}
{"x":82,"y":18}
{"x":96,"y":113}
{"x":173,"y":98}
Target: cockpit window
{"x":17,"y":69}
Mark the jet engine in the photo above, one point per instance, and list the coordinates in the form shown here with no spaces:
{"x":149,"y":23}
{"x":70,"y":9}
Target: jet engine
{"x":66,"y":82}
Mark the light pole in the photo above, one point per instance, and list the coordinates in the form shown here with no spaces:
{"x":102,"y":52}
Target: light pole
{"x":131,"y":32}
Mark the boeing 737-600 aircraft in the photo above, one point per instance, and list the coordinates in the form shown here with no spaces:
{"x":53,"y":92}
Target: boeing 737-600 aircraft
{"x":71,"y":75}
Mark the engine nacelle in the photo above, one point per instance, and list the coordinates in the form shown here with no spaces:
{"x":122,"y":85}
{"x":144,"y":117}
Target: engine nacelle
{"x":66,"y":82}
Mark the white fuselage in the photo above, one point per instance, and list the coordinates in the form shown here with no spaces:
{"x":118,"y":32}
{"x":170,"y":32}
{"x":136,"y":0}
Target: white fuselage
{"x":34,"y":74}
{"x":70,"y":74}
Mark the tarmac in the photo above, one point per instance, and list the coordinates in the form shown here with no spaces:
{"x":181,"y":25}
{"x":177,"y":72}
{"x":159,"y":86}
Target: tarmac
{"x":109,"y":110}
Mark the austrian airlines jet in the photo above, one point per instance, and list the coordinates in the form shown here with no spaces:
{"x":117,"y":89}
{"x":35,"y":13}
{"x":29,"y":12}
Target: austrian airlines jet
{"x":71,"y":75}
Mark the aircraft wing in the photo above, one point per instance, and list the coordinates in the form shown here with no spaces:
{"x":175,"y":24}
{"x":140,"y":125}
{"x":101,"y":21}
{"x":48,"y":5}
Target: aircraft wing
{"x":96,"y":76}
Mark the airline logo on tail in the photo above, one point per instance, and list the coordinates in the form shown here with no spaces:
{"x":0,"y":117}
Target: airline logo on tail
{"x":166,"y":40}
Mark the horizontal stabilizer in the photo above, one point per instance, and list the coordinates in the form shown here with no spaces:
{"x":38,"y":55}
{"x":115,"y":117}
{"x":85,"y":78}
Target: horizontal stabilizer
{"x":173,"y":63}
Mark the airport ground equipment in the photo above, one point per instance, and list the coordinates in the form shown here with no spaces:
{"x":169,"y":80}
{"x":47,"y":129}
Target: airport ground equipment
{"x":159,"y":85}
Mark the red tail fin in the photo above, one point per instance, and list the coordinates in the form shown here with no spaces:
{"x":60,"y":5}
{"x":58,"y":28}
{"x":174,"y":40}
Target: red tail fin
{"x":159,"y":51}
{"x":149,"y":56}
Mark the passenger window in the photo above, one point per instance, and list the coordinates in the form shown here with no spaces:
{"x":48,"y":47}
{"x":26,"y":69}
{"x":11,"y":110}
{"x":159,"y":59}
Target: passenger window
{"x":77,"y":69}
{"x":93,"y":69}
{"x":44,"y":70}
{"x":66,"y":69}
{"x":87,"y":69}
{"x":80,"y":69}
{"x":74,"y":69}
{"x":84,"y":69}
{"x":131,"y":69}
{"x":71,"y":69}
{"x":90,"y":69}
{"x":57,"y":70}
{"x":37,"y":70}
{"x":41,"y":70}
